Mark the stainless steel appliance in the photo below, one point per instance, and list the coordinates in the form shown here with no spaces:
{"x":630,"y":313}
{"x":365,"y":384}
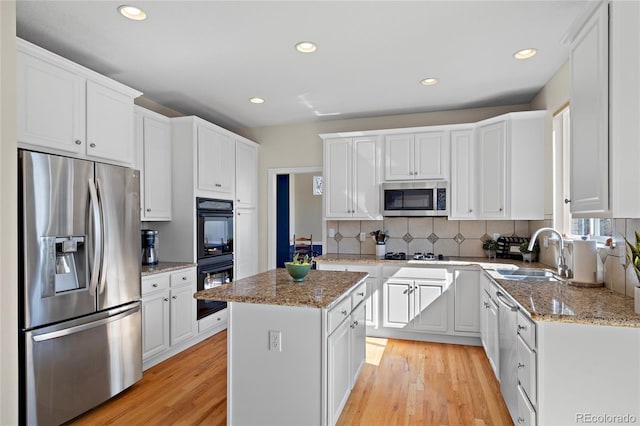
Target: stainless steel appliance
{"x":215,"y":249}
{"x":148,"y":239}
{"x":418,"y":198}
{"x":79,"y":298}
{"x":507,"y":343}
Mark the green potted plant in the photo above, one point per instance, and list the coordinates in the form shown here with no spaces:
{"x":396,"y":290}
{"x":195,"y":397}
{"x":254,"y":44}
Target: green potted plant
{"x":633,"y":258}
{"x":490,"y":248}
{"x":529,"y":255}
{"x":298,"y":268}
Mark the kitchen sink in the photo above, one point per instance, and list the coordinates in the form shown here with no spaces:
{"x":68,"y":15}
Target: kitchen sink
{"x":529,"y":274}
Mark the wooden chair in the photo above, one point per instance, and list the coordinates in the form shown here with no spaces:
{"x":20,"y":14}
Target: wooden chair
{"x":303,"y":246}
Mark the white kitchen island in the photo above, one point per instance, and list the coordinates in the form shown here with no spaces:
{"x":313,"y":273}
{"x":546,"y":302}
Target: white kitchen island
{"x":294,"y":349}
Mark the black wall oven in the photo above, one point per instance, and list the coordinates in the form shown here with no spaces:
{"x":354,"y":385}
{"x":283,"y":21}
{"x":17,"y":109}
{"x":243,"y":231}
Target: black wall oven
{"x":215,"y":249}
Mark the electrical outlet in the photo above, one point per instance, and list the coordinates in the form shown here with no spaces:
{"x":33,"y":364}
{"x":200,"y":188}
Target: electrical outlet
{"x":545,"y":241}
{"x":332,"y":232}
{"x":275,"y":340}
{"x":363,"y":237}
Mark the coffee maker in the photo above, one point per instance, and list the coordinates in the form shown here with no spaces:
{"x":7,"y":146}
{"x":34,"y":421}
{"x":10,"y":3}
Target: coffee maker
{"x":149,"y":255}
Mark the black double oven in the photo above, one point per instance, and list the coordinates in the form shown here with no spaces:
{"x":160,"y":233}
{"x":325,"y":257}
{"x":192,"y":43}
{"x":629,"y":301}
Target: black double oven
{"x":215,"y":249}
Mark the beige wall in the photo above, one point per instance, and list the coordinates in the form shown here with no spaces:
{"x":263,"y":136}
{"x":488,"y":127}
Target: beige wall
{"x":298,"y":145}
{"x":308,"y":207}
{"x":8,"y":220}
{"x":552,"y":97}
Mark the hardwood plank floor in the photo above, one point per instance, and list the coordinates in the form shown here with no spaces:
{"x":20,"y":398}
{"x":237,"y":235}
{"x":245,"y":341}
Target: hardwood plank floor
{"x":402,"y":383}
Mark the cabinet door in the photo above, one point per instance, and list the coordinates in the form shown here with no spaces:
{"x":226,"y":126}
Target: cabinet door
{"x":491,"y":166}
{"x":462,"y":175}
{"x":155,"y":323}
{"x":339,"y":363}
{"x":399,"y":157}
{"x":246,"y":175}
{"x":484,"y":320}
{"x":526,"y":413}
{"x":431,"y":160}
{"x":51,"y":106}
{"x":366,"y":187}
{"x":157,"y":169}
{"x":216,"y":162}
{"x":246,"y":243}
{"x":182,"y":313}
{"x":338,"y":183}
{"x":372,"y":309}
{"x":109,"y":124}
{"x":358,"y":341}
{"x":396,"y":302}
{"x":589,"y":99}
{"x":466,"y":306}
{"x":430,"y":307}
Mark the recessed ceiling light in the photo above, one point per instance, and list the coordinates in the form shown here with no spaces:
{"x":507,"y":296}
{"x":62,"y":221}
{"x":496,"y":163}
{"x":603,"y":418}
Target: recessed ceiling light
{"x":132,"y":12}
{"x":429,"y":81}
{"x":525,"y":53}
{"x":256,"y":100}
{"x":306,"y":47}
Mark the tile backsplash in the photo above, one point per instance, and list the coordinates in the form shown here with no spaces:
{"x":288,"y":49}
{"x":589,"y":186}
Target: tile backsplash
{"x":439,"y":235}
{"x":436,"y":235}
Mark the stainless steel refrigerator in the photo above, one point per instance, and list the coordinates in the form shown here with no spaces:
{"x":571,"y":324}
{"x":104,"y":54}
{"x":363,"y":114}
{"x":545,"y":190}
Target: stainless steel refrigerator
{"x":79,"y":308}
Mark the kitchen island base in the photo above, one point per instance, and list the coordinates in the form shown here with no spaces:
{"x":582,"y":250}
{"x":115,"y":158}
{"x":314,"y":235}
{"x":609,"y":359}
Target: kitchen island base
{"x":268,"y":385}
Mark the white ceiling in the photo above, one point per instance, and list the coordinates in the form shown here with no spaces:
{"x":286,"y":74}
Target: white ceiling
{"x":208,"y":58}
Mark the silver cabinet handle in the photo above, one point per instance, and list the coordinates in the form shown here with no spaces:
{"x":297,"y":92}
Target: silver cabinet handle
{"x":78,"y":142}
{"x":522,"y":327}
{"x":148,"y":210}
{"x":520,"y":365}
{"x":567,"y":200}
{"x":154,"y":285}
{"x":184,"y":278}
{"x":360,"y":294}
{"x":217,"y":185}
{"x":344,"y":313}
{"x":500,"y":209}
{"x":92,"y":145}
{"x":166,"y":299}
{"x":470,"y":211}
{"x":520,"y":420}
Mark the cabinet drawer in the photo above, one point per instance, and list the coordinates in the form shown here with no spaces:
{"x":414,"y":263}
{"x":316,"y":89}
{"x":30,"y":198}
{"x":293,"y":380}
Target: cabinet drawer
{"x":527,"y":370}
{"x":338,"y":314}
{"x":358,"y":295}
{"x":212,"y":320}
{"x":183,"y":276}
{"x":527,"y":330}
{"x":526,"y":413}
{"x":153,"y":283}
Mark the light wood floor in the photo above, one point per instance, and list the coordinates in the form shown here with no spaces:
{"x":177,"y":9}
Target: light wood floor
{"x":402,"y":383}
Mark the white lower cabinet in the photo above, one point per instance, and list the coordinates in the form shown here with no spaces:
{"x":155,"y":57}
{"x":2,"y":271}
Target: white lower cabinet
{"x":489,"y":324}
{"x":466,"y":295}
{"x":168,"y":313}
{"x":526,"y":413}
{"x":346,"y":347}
{"x":416,"y":303}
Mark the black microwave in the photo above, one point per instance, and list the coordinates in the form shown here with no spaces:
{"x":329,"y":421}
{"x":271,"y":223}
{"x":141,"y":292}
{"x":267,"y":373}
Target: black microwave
{"x":414,"y":198}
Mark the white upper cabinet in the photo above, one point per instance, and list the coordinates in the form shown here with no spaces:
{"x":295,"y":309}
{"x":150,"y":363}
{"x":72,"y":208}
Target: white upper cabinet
{"x":423,"y":155}
{"x":64,"y":108}
{"x":246,"y":174}
{"x":463,"y":188}
{"x":510,"y":166}
{"x":351,"y":174}
{"x":624,"y":104}
{"x":109,"y":124}
{"x":589,"y":100}
{"x":153,"y":141}
{"x":216,"y":162}
{"x":491,"y":170}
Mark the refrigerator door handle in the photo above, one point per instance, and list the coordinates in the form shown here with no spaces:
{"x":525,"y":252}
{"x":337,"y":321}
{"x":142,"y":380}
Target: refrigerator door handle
{"x":97,"y":238}
{"x":114,"y":316}
{"x":103,"y":257}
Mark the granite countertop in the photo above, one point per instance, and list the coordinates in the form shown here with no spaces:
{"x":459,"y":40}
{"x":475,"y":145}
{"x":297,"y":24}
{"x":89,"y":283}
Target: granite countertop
{"x":161,"y":267}
{"x":543,"y":301}
{"x":320,"y":289}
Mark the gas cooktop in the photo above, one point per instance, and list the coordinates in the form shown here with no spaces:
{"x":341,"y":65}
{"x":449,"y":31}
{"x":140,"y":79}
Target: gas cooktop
{"x":400,"y":255}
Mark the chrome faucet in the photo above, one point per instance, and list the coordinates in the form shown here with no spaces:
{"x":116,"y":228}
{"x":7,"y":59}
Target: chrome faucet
{"x":563,"y":269}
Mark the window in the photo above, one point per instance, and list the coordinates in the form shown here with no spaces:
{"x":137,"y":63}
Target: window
{"x":597,"y":228}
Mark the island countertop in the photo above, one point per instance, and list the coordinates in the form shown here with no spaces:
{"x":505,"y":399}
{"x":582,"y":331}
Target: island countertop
{"x":320,"y":289}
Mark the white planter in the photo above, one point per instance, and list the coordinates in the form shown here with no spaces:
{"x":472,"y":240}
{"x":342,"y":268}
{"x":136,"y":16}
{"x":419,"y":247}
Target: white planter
{"x":381,"y":250}
{"x":636,"y":298}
